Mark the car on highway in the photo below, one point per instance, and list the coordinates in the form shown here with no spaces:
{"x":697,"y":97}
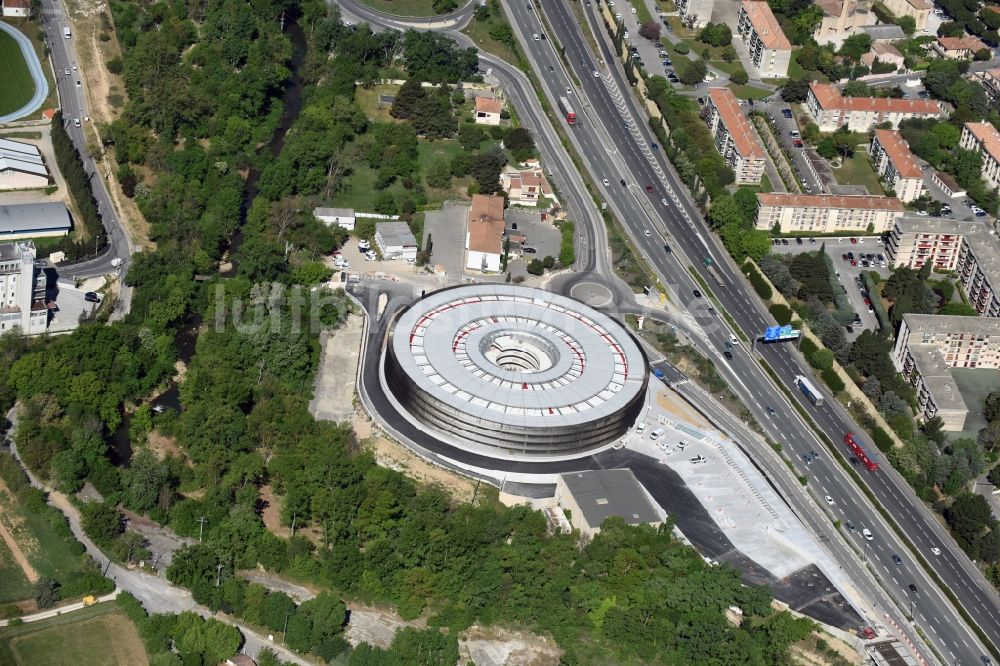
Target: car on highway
{"x":849,"y":525}
{"x":79,"y":85}
{"x":867,"y":533}
{"x":829,"y":500}
{"x":697,"y":294}
{"x":649,"y":188}
{"x":647,"y":233}
{"x":936,"y":551}
{"x":606,"y":182}
{"x":728,"y":354}
{"x":67,"y":71}
{"x":658,"y":373}
{"x":76,"y":122}
{"x":666,"y":248}
{"x":569,"y":91}
{"x":912,"y":588}
{"x":597,"y":74}
{"x":897,"y":560}
{"x":798,"y":143}
{"x":664,"y":201}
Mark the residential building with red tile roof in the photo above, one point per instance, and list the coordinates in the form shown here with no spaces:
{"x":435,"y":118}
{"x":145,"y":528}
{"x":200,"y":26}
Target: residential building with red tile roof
{"x":484,"y":237}
{"x":770,"y":51}
{"x":831,"y":110}
{"x":16,"y":8}
{"x":984,"y":139}
{"x":526,"y":185}
{"x":897,"y":166}
{"x":958,"y":48}
{"x":488,"y":111}
{"x":885,"y":53}
{"x":734,"y":136}
{"x":824,"y":213}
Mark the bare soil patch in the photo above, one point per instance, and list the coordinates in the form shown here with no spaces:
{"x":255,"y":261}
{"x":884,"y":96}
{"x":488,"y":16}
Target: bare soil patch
{"x":669,"y":401}
{"x":7,"y":534}
{"x":396,"y":456}
{"x":375,"y":626}
{"x":271,"y":516}
{"x":163,"y":446}
{"x":504,"y":647}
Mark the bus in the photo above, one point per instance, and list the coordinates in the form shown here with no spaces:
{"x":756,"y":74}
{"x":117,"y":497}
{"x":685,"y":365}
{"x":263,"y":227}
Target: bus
{"x":815,"y":397}
{"x":859,"y":451}
{"x":712,"y":273}
{"x":567,"y":110}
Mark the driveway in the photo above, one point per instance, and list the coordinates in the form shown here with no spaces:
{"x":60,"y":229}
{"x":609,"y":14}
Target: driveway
{"x":805,"y":169}
{"x":445,"y":229}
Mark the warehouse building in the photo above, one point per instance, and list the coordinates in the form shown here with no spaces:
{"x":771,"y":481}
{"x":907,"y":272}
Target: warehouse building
{"x":33,"y":220}
{"x":21,"y":166}
{"x":592,"y":497}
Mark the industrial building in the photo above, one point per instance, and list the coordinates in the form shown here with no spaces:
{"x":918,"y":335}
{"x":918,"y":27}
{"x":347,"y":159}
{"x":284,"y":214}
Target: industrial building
{"x":344,"y":218}
{"x":510,"y":371}
{"x":734,"y":136}
{"x":929,"y":346}
{"x":33,"y":220}
{"x":21,"y":166}
{"x":821,"y":213}
{"x":484,"y":234}
{"x":395,"y":241}
{"x":594,"y":496}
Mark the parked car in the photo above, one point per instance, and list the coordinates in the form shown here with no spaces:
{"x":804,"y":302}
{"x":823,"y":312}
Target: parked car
{"x":92,"y":297}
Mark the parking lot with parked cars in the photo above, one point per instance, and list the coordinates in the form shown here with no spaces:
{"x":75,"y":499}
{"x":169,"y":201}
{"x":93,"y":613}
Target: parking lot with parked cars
{"x":851,"y":256}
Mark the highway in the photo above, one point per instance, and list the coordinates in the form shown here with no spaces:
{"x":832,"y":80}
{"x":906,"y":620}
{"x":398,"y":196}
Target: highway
{"x":73,"y":104}
{"x":618,"y":147}
{"x":687,"y":231}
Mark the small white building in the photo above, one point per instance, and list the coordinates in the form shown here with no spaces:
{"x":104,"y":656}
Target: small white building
{"x":395,"y":240}
{"x":16,"y":8}
{"x":342,"y":217}
{"x":21,"y":166}
{"x":488,"y":111}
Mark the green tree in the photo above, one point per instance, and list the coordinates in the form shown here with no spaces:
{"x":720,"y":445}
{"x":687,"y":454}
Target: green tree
{"x":276,"y":606}
{"x":470,"y":136}
{"x":822,"y":359}
{"x":520,"y":143}
{"x":739,"y":77}
{"x":405,"y":102}
{"x":795,"y":90}
{"x":691,"y":72}
{"x":46,"y":593}
{"x":101,"y":522}
{"x":535,"y":267}
{"x":907,"y":23}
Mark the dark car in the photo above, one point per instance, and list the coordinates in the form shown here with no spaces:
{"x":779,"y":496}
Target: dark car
{"x":728,"y":354}
{"x":784,"y":241}
{"x":697,"y":294}
{"x":622,"y":181}
{"x":786,"y":113}
{"x":897,"y":559}
{"x":667,"y":249}
{"x":798,"y":241}
{"x":701,"y":100}
{"x":529,"y":250}
{"x":91,"y":297}
{"x":913,"y":588}
{"x":649,"y":188}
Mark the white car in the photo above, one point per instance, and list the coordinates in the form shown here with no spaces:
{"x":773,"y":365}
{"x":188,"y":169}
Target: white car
{"x":76,"y":122}
{"x":364,"y":245}
{"x":606,"y":182}
{"x":597,"y":74}
{"x":535,"y":36}
{"x":936,"y":551}
{"x":370,"y":256}
{"x":867,"y":534}
{"x":829,"y":500}
{"x":663,"y":201}
{"x":646,"y":232}
{"x":633,"y":10}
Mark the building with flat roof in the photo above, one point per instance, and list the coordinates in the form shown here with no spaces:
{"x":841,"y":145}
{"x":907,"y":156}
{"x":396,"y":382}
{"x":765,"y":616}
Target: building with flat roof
{"x":395,"y":241}
{"x":823,"y":213}
{"x":959,"y":48}
{"x":770,"y":51}
{"x":21,"y":166}
{"x":487,"y":111}
{"x":896,"y":165}
{"x":734,"y":136}
{"x":920,"y":10}
{"x":984,"y":139}
{"x":593,"y":497}
{"x":830,"y":110}
{"x":33,"y":220}
{"x":842,"y":19}
{"x":947,"y":184}
{"x":886,"y":32}
{"x":341,"y":217}
{"x":916,"y":240}
{"x":978,"y":269}
{"x":929,"y":346}
{"x":990,"y":80}
{"x":695,"y":13}
{"x":484,"y":236}
{"x":22,"y":290}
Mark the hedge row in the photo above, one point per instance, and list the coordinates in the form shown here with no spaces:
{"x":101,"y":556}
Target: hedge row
{"x":881,"y":438}
{"x":877,"y":305}
{"x":807,"y":347}
{"x":761,"y":286}
{"x":781,"y":313}
{"x":832,"y":380}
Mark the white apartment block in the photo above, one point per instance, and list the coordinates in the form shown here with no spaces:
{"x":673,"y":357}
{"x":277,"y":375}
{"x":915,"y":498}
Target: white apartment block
{"x":830,"y":110}
{"x":897,"y":165}
{"x":22,"y":290}
{"x":734,"y":136}
{"x":823,"y":214}
{"x":978,"y":270}
{"x":984,"y":139}
{"x":696,"y":12}
{"x":914,"y":241}
{"x":770,"y":51}
{"x":929,"y":346}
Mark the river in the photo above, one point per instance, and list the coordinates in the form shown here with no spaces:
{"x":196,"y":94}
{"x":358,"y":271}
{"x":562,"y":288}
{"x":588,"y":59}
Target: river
{"x":120,"y":448}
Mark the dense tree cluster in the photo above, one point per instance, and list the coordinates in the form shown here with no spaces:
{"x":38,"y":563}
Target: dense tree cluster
{"x":185,"y":638}
{"x":78,"y":182}
{"x":716,"y":34}
{"x":735,"y":225}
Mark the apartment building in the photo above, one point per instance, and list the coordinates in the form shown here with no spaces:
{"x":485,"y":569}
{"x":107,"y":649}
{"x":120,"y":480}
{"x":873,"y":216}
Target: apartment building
{"x":695,"y":13}
{"x":770,"y":51}
{"x":734,"y":136}
{"x":928,"y":347}
{"x":978,"y":269}
{"x":821,"y":213}
{"x":915,"y":241}
{"x":22,"y":290}
{"x":990,"y":81}
{"x":920,"y":10}
{"x":896,"y":165}
{"x":830,"y":110}
{"x":842,"y":19}
{"x":984,"y":139}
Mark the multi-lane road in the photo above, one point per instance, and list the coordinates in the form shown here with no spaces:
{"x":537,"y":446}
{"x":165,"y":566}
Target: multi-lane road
{"x":73,"y":104}
{"x":613,"y":137}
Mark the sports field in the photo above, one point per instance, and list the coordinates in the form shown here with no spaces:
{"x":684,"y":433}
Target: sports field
{"x":97,"y":636}
{"x":18,"y":86}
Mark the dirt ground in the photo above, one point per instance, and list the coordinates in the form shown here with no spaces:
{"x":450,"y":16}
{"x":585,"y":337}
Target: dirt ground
{"x":12,"y":545}
{"x":398,"y":457}
{"x":164,"y":446}
{"x":670,"y":401}
{"x":272,"y":518}
{"x":503,"y":647}
{"x":805,"y":653}
{"x":375,"y":626}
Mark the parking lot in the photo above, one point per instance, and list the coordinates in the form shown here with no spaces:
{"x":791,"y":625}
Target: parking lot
{"x":445,"y":229}
{"x":847,"y":274}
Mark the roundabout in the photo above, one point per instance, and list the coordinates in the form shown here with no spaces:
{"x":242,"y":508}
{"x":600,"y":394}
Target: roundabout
{"x":514,"y":372}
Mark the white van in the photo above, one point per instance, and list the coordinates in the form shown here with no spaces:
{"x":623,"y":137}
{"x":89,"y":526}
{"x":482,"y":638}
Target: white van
{"x":640,"y":428}
{"x":66,"y":33}
{"x":656,"y":434}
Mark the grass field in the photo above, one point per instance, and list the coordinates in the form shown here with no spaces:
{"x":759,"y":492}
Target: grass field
{"x":14,"y":586}
{"x":858,"y":171}
{"x":18,"y":86}
{"x":403,"y":7}
{"x":96,"y":636}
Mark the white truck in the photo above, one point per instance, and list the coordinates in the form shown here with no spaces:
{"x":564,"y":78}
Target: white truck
{"x":117,"y":261}
{"x":66,"y":33}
